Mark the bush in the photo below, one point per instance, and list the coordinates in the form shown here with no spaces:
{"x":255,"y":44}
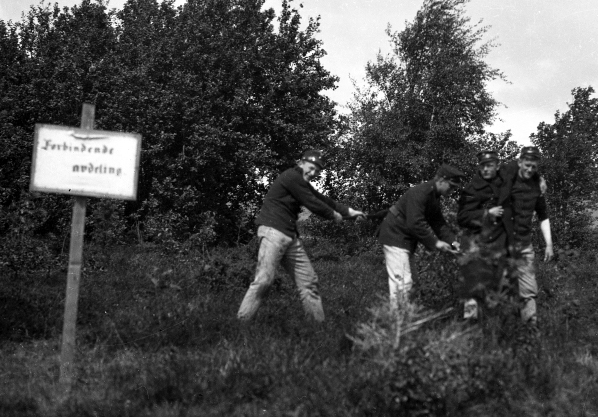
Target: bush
{"x":157,"y":335}
{"x":430,"y":370}
{"x":31,"y":306}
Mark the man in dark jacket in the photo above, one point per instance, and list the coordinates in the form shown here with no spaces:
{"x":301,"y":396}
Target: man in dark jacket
{"x":496,"y":209}
{"x":279,"y":239}
{"x":480,"y":214}
{"x":526,"y":198}
{"x":479,"y":209}
{"x":416,"y":218}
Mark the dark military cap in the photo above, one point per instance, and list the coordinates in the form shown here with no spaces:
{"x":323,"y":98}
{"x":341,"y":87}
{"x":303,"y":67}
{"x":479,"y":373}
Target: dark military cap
{"x":314,"y":156}
{"x":451,"y":174}
{"x":487,"y":156}
{"x":530,"y":152}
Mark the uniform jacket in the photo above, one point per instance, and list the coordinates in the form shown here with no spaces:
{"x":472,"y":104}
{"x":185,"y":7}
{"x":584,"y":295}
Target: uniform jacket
{"x":518,"y":211}
{"x":416,"y":217}
{"x":476,"y":199}
{"x":285,"y":197}
{"x":526,"y":198}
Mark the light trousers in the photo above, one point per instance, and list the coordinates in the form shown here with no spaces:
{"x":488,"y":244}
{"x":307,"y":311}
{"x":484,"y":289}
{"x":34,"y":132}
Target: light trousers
{"x":401,"y":270}
{"x":528,"y":287}
{"x":277,"y":248}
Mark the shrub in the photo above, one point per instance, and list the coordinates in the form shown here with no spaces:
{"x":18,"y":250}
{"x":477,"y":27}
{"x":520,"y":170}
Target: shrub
{"x":430,"y":370}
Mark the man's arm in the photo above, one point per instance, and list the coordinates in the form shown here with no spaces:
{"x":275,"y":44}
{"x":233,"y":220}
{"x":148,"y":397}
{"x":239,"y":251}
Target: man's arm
{"x":542,"y":212}
{"x":441,"y":229}
{"x":307,"y":196}
{"x":470,"y":214}
{"x":546,"y":233}
{"x":317,"y":202}
{"x":418,"y":226}
{"x":543,"y":185}
{"x":341,"y":208}
{"x":415,"y":219}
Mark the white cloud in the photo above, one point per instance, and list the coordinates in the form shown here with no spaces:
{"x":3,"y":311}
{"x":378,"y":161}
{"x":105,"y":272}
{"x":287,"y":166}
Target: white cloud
{"x":546,"y":49}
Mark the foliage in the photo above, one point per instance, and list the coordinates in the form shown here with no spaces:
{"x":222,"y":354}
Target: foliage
{"x":223,"y":95}
{"x":434,"y":373}
{"x":157,"y":335}
{"x":569,"y":163}
{"x":422,"y":106}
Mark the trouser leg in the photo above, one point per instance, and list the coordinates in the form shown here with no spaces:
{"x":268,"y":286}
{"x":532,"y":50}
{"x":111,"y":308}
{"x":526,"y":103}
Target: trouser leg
{"x":528,"y":287}
{"x":470,"y":306}
{"x":297,"y":264}
{"x":273,"y":246}
{"x":400,"y":267}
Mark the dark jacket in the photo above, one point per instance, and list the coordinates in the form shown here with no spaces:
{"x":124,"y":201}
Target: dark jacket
{"x":476,"y":199}
{"x":520,"y":199}
{"x":526,"y":198}
{"x":416,"y":217}
{"x":285,"y":197}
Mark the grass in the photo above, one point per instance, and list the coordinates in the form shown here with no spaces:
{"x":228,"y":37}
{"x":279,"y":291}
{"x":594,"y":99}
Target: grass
{"x":157,"y":336}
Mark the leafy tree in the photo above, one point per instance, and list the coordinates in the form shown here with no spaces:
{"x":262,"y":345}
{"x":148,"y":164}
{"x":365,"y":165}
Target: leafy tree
{"x":222,"y":99}
{"x":45,"y":76}
{"x":569,"y":162}
{"x":423,"y":105}
{"x":240,"y":102}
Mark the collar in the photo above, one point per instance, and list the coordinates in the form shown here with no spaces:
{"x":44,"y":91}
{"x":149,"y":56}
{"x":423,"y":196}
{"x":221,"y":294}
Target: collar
{"x":433,"y":188}
{"x":533,"y":180}
{"x":478,"y":182}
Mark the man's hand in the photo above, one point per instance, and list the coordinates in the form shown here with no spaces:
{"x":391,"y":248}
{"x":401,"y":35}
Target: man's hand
{"x":548,"y":253}
{"x":496,"y":212}
{"x":543,"y":186}
{"x":356,"y":213}
{"x":337,"y":217}
{"x":443,"y":246}
{"x":456,"y":246}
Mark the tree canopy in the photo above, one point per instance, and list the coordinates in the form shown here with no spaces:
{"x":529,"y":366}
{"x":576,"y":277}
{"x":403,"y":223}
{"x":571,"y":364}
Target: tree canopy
{"x":423,"y":105}
{"x":224,"y":93}
{"x":570,"y":164}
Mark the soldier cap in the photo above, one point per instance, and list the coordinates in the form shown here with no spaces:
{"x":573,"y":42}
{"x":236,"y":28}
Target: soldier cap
{"x":487,"y":156}
{"x":315,"y":157}
{"x":530,"y":152}
{"x":450,"y":173}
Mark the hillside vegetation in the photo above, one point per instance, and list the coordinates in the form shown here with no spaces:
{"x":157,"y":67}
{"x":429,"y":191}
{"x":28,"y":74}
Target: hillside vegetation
{"x":226,"y":95}
{"x":157,"y":336}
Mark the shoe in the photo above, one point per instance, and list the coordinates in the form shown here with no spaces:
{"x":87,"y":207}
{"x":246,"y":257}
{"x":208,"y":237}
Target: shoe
{"x":470,"y":309}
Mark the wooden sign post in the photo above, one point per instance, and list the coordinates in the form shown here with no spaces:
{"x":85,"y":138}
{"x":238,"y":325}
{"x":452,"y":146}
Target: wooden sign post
{"x":82,"y":162}
{"x":67,"y":354}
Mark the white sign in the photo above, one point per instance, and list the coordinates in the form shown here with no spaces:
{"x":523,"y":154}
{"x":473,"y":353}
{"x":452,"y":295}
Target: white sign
{"x":82,"y":162}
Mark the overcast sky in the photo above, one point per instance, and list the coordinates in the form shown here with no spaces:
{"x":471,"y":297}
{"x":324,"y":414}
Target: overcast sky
{"x":546,"y":47}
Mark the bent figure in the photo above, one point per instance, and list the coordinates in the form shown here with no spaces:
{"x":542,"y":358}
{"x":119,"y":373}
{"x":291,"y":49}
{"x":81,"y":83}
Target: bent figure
{"x":416,"y":218}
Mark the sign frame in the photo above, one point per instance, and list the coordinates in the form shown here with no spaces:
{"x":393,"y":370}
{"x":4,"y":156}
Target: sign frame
{"x":87,"y":136}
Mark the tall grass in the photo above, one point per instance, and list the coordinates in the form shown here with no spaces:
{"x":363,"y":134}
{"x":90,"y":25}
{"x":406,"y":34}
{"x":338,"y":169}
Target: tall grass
{"x":157,"y":336}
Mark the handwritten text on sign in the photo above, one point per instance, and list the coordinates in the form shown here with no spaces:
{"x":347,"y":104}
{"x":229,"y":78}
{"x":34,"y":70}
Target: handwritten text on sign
{"x":93,"y":163}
